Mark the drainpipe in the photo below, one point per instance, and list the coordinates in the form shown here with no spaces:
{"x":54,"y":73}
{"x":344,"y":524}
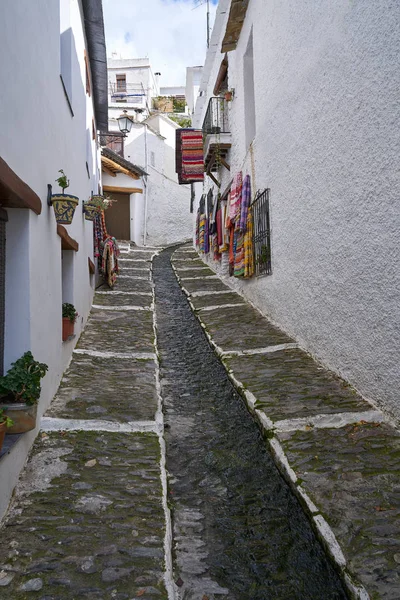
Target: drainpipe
{"x":145,"y":184}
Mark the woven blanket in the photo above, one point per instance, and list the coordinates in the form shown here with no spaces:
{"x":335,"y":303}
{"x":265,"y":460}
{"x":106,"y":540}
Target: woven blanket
{"x":189,"y":159}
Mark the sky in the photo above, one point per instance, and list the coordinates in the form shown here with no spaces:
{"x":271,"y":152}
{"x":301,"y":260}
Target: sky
{"x":172,"y":33}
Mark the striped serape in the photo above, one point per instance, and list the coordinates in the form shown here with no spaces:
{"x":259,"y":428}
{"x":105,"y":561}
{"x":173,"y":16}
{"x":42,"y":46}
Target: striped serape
{"x":249,"y":246}
{"x":189,"y":158}
{"x":202,"y":226}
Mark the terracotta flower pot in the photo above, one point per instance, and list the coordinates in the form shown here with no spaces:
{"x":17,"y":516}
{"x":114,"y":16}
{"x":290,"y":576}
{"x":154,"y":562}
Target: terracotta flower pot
{"x":64,"y":207}
{"x":67,"y":328}
{"x":23,"y":415}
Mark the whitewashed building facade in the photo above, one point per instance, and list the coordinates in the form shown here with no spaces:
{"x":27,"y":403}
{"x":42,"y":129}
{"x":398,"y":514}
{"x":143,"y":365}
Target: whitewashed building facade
{"x":55,"y":101}
{"x":314,"y":118}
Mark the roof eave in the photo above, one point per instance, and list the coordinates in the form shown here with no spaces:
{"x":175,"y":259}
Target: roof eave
{"x":96,"y":46}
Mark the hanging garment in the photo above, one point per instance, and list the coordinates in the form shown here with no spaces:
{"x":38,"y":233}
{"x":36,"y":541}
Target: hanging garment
{"x":249,"y":246}
{"x":206,"y":236}
{"x":245,"y":203}
{"x":238,"y":270}
{"x":201,"y":232}
{"x":224,"y":246}
{"x":234,"y":199}
{"x":197,"y":233}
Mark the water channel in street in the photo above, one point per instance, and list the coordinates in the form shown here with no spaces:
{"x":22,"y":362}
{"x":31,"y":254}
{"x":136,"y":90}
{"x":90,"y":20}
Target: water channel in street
{"x":239,"y":533}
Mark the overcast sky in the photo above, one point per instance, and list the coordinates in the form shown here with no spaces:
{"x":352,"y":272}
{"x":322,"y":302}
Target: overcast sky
{"x":172,"y":33}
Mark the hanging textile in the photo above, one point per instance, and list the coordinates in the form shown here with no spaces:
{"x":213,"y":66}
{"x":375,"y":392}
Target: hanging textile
{"x":189,"y":159}
{"x":238,"y":269}
{"x":249,"y":246}
{"x":224,"y":245}
{"x":198,"y":228}
{"x":245,"y":203}
{"x":201,"y":232}
{"x":110,"y":261}
{"x":206,"y":236}
{"x":234,"y":200}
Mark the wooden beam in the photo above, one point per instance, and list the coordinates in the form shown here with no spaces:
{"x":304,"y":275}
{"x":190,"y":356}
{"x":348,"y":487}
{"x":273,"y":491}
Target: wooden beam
{"x":15,"y":193}
{"x":122,"y":190}
{"x":67,"y":242}
{"x":217,"y":183}
{"x":108,"y":171}
{"x":116,"y":167}
{"x":224,"y":163}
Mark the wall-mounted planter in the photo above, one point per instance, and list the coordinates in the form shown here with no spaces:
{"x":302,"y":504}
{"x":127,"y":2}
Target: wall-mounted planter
{"x":23,"y":415}
{"x":64,"y":207}
{"x":90,"y":211}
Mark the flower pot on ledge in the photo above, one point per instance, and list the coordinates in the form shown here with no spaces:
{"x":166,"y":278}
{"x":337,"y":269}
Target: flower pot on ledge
{"x":67,"y":328}
{"x":64,"y":207}
{"x":24,"y":416}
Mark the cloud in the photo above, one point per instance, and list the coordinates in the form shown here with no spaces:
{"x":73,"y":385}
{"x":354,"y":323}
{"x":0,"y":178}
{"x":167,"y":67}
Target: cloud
{"x":172,"y":33}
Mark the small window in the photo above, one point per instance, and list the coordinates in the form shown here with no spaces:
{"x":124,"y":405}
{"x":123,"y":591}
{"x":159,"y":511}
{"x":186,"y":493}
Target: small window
{"x":262,"y":233}
{"x":87,"y":75}
{"x":121,"y":83}
{"x":152,"y":159}
{"x":93,"y":130}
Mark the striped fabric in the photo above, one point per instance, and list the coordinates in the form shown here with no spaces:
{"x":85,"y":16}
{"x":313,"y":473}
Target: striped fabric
{"x":248,"y":246}
{"x":246,"y":199}
{"x":235,"y":197}
{"x":189,"y":158}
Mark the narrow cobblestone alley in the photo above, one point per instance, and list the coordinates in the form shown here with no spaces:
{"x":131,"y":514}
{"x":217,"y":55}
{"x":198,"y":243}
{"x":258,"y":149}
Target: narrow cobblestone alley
{"x":150,"y":479}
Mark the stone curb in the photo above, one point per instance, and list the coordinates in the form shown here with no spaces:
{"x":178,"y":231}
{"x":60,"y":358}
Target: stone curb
{"x":320,"y":526}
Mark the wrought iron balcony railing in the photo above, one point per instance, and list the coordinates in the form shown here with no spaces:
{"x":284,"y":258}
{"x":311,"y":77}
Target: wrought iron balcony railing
{"x":216,"y":120}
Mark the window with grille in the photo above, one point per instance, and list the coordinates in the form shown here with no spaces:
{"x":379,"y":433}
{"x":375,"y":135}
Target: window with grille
{"x":262,"y":233}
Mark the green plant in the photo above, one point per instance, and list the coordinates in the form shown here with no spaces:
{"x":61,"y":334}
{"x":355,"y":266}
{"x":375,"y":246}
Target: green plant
{"x":4,"y":419}
{"x":69,"y":312}
{"x":101,"y":202}
{"x":182,"y":121}
{"x":62,"y":181}
{"x":23,"y":379}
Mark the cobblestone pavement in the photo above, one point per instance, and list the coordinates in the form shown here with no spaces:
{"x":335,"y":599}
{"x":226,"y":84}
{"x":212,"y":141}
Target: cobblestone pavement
{"x":89,"y":519}
{"x":340,"y":456}
{"x":239,"y":532}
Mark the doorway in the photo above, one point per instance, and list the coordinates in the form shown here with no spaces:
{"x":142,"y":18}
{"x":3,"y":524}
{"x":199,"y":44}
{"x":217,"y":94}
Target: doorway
{"x":118,"y":217}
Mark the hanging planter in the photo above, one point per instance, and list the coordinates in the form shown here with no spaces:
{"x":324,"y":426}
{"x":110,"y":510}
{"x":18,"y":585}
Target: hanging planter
{"x":64,"y":204}
{"x":90,"y":211}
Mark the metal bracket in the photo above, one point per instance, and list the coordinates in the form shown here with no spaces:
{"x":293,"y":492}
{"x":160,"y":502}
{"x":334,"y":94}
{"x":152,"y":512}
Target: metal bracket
{"x":49,"y":194}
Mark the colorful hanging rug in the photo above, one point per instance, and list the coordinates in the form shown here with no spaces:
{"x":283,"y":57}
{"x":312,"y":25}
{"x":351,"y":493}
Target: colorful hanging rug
{"x":189,"y":159}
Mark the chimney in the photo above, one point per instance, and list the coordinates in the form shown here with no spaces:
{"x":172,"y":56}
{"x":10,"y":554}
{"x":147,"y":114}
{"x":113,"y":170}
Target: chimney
{"x":157,"y":78}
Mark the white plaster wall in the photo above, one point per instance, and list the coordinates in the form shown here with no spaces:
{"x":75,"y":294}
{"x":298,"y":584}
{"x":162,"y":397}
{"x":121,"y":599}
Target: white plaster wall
{"x":327,"y":145}
{"x":38,"y":137}
{"x":168,"y":217}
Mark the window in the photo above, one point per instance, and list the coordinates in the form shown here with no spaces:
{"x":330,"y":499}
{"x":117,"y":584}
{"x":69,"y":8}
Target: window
{"x":262,"y":233}
{"x":121,"y":83}
{"x":152,"y":159}
{"x":249,"y":96}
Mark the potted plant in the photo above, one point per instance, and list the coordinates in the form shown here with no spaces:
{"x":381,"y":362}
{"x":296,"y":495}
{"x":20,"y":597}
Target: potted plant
{"x":228,"y":95}
{"x":69,"y":315}
{"x":5,"y":422}
{"x":20,"y":391}
{"x":64,"y":204}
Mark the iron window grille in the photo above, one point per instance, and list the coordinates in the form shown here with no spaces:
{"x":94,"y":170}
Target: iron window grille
{"x":262,"y":233}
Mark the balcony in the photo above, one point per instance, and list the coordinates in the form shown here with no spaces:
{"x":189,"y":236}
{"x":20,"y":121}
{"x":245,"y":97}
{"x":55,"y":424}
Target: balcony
{"x":126,"y":92}
{"x":217,"y":136}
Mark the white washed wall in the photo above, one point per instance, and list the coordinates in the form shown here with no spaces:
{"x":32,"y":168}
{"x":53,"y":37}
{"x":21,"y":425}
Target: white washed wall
{"x":327,"y":145}
{"x":38,"y":137}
